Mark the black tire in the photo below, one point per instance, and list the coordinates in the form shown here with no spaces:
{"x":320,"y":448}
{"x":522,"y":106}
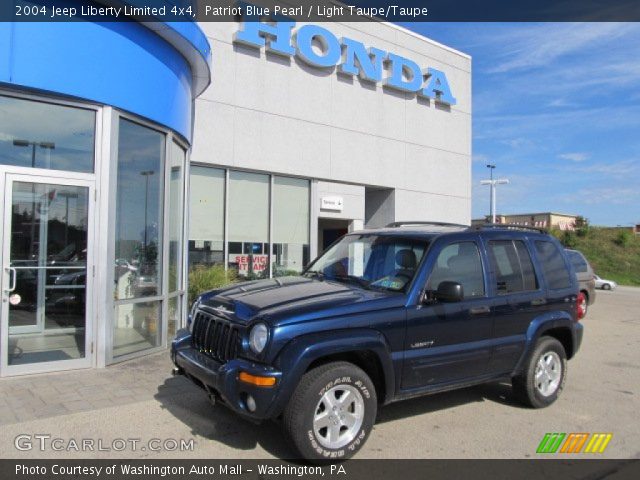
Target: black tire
{"x":524,"y":385}
{"x":606,"y":286}
{"x":309,"y":400}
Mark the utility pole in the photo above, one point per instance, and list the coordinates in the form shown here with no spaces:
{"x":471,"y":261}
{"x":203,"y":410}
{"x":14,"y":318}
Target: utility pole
{"x":492,"y":193}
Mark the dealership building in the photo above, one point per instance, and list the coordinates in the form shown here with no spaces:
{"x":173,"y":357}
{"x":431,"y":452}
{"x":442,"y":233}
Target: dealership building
{"x":132,"y":152}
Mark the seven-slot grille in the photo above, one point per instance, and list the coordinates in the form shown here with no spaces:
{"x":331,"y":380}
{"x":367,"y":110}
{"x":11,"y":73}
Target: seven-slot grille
{"x":215,"y":337}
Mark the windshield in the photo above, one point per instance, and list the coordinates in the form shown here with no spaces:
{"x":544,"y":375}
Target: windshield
{"x":371,"y":261}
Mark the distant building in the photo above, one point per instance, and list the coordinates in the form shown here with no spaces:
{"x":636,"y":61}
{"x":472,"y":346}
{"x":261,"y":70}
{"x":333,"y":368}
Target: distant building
{"x":636,"y":229}
{"x":561,"y":221}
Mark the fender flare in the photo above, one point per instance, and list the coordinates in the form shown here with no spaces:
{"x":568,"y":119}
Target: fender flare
{"x":296,"y":356}
{"x":537,"y":328}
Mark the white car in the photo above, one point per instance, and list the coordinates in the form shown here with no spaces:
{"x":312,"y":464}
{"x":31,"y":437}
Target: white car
{"x":604,"y":284}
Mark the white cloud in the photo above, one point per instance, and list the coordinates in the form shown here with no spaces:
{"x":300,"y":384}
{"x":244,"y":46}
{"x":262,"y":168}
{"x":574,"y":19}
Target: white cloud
{"x":543,"y":44}
{"x":575,"y":156}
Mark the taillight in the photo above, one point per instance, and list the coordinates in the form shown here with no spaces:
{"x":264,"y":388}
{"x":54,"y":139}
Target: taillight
{"x":581,"y":305}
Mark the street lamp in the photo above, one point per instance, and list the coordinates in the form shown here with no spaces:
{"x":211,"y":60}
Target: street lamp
{"x":492,"y":183}
{"x":46,"y":145}
{"x":146,"y":174}
{"x":27,"y":143}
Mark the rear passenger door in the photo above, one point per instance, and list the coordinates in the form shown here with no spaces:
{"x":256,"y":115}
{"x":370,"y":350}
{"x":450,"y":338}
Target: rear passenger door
{"x":447,"y":343}
{"x":518,"y":299}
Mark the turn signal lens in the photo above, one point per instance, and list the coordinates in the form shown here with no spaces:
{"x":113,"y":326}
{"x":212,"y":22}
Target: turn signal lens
{"x":258,"y":381}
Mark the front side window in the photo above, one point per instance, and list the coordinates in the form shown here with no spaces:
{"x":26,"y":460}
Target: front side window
{"x":371,"y":261}
{"x":43,"y":135}
{"x":459,"y":262}
{"x":512,"y":266}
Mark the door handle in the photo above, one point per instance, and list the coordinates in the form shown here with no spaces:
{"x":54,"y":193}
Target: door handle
{"x":538,"y":301}
{"x":479,"y":310}
{"x":13,"y":279}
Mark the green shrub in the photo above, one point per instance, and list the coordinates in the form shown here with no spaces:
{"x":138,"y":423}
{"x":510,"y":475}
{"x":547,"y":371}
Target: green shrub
{"x":582,"y":226}
{"x":569,"y":239}
{"x":623,"y":238}
{"x":203,"y":279}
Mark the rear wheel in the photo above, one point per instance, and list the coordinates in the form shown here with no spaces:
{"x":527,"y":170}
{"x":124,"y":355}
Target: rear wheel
{"x":544,"y":376}
{"x":606,"y":286}
{"x":331,"y":412}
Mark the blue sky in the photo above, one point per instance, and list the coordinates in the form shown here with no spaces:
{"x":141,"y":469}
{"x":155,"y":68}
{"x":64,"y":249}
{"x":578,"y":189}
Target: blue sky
{"x":556,"y":106}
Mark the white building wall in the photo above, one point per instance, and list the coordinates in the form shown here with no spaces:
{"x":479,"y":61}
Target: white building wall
{"x":276,"y":114}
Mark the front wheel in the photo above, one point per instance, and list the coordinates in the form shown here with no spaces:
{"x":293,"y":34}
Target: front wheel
{"x":606,"y":286}
{"x":331,"y":413}
{"x":544,"y":376}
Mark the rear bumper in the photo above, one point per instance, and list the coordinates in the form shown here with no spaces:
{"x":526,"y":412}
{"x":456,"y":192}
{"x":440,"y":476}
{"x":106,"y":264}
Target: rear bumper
{"x":221,"y":380}
{"x":578,"y":331}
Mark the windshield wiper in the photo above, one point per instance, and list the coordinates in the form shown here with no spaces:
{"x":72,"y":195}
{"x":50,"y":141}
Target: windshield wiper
{"x":353,"y":279}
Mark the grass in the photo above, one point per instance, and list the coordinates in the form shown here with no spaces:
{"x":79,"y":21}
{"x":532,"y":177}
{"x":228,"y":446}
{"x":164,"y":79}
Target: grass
{"x":614,"y":253}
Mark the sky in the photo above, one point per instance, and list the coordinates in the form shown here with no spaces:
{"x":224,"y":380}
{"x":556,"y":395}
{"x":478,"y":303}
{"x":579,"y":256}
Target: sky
{"x":556,"y":107}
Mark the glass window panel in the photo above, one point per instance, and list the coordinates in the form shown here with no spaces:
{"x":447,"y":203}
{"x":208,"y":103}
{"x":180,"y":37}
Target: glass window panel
{"x":176,"y":191}
{"x":175,"y":315}
{"x":48,"y":250}
{"x":553,"y":265}
{"x":249,"y":223}
{"x":459,"y":262}
{"x":137,"y":327}
{"x":290,"y":225}
{"x":44,"y":135}
{"x":139,"y":198}
{"x":206,"y":224}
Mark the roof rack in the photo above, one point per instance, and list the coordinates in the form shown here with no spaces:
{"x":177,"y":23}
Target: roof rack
{"x":510,"y":226}
{"x":420,"y":223}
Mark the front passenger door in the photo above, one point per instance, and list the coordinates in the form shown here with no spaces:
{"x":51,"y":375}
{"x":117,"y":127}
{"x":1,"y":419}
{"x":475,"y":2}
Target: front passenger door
{"x":447,"y":343}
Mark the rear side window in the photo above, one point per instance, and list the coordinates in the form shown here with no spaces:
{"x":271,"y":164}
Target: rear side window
{"x":512,"y":265}
{"x":553,"y":266}
{"x":578,"y":261}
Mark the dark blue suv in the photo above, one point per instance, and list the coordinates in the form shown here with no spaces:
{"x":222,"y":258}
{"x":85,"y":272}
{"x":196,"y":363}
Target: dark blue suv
{"x":381,"y":316}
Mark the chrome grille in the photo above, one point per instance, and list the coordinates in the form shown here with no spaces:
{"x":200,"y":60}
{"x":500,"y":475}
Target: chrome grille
{"x":215,"y":337}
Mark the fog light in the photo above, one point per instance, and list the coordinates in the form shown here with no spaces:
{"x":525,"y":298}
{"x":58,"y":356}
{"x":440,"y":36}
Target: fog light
{"x":251,"y":403}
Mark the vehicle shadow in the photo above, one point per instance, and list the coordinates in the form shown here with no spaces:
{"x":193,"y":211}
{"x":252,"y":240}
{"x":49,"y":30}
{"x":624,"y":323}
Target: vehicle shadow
{"x":190,"y":405}
{"x":499,"y":392}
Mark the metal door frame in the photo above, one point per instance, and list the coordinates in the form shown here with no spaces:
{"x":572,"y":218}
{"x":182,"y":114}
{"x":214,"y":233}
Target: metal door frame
{"x":9,"y":175}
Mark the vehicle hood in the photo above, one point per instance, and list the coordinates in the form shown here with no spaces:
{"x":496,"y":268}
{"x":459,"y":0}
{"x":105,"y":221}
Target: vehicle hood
{"x":285,"y":300}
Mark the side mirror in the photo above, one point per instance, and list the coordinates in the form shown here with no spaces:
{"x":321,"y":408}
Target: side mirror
{"x":449,"y":292}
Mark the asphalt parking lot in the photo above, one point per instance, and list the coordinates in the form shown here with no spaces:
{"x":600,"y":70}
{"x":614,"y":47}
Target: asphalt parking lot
{"x":140,"y":400}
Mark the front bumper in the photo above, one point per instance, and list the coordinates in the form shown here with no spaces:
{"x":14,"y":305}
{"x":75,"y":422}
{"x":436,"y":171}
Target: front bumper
{"x":221,"y":379}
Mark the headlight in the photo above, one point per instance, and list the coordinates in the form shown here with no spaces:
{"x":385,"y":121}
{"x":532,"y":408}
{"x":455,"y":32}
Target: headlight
{"x":258,"y":337}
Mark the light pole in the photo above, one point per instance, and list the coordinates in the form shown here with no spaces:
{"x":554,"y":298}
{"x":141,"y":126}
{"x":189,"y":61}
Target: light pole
{"x":492,"y":183}
{"x":146,"y":175}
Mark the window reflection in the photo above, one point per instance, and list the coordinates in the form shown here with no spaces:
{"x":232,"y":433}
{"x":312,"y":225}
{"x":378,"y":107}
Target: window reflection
{"x":44,"y":135}
{"x":138,"y":211}
{"x":138,"y":246}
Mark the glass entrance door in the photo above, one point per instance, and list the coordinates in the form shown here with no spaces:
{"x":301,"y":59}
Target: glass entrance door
{"x":45,"y":274}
